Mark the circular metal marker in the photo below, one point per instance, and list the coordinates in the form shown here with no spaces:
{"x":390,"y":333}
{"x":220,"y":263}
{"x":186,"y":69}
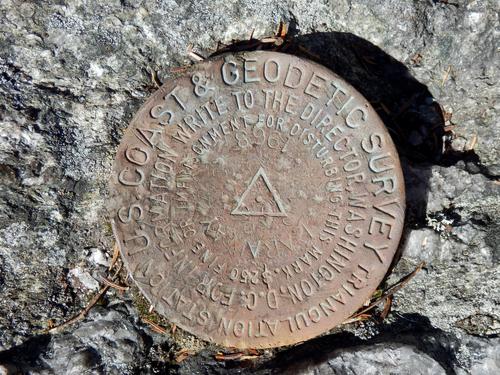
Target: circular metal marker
{"x":257,"y":200}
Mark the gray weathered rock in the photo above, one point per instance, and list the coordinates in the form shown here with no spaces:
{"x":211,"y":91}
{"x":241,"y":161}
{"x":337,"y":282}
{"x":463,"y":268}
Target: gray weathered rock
{"x":378,"y":359}
{"x":73,"y":73}
{"x":109,"y":342}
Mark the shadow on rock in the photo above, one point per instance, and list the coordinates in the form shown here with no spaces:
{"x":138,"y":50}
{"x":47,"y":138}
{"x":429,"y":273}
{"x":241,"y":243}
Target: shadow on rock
{"x":412,"y":116}
{"x":25,"y":357}
{"x":410,"y":342}
{"x":416,"y":123}
{"x":411,"y":339}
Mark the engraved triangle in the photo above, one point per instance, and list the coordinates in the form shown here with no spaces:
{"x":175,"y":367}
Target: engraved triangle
{"x":254,"y":248}
{"x":252,"y":203}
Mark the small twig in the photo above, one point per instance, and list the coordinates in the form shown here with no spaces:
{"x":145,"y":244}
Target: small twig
{"x":446,"y":74}
{"x":238,"y":356}
{"x":117,"y":272}
{"x":387,"y":308}
{"x":116,"y":254}
{"x":181,"y":355}
{"x":369,"y":60}
{"x":82,"y":314}
{"x":193,"y":55}
{"x":384,"y":107}
{"x":282,"y":30}
{"x":228,"y":357}
{"x":388,"y":293}
{"x":253,"y":352}
{"x":309,"y":53}
{"x":472,"y":143}
{"x":404,"y":107}
{"x":269,"y":39}
{"x":249,"y":357}
{"x":155,"y":327}
{"x":114,"y":285}
{"x":448,"y":2}
{"x":357,"y":318}
{"x":179,"y":69}
{"x":154,"y":78}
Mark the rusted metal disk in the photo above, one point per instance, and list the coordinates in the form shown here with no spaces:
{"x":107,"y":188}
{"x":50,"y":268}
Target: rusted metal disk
{"x":258,"y":200}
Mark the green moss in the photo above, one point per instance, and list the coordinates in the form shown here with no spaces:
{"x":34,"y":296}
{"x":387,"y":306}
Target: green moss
{"x":143,"y":306}
{"x":108,"y":229}
{"x":181,"y":338}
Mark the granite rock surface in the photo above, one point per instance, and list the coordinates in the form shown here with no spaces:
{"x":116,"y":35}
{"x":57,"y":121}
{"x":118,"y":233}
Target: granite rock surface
{"x":72,"y":74}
